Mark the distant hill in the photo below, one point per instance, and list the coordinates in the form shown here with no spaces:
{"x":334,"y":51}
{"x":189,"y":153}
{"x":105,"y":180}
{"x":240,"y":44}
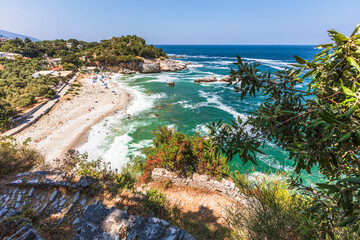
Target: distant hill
{"x":15,"y":35}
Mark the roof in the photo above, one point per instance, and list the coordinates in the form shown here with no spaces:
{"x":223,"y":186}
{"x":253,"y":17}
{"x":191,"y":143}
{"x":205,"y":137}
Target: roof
{"x":60,"y":73}
{"x":37,"y":74}
{"x":52,"y":73}
{"x":56,"y":69}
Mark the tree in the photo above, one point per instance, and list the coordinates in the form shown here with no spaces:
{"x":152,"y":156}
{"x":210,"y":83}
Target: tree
{"x":4,"y":119}
{"x":27,"y":40}
{"x":319,"y":126}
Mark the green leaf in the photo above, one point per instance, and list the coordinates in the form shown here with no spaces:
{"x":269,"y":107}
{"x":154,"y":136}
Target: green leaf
{"x":355,"y":30}
{"x":323,"y":46}
{"x":344,"y":137}
{"x":353,"y":63}
{"x":299,"y":60}
{"x":351,"y":110}
{"x":347,"y":221}
{"x":340,"y":38}
{"x":351,"y":180}
{"x":347,"y":91}
{"x":349,"y":100}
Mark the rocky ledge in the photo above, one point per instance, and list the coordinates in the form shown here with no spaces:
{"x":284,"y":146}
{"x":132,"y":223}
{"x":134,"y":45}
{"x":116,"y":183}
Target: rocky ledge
{"x":212,"y":79}
{"x":62,"y":197}
{"x":99,"y":222}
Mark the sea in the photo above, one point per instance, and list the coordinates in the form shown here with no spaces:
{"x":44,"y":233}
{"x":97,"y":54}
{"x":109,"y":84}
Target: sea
{"x":188,"y":107}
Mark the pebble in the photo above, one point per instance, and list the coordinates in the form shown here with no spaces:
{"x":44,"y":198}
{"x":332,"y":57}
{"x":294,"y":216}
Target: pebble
{"x":31,"y":192}
{"x":55,"y":202}
{"x":53,"y":195}
{"x":69,"y":209}
{"x":33,"y":181}
{"x":76,"y":221}
{"x":42,"y":209}
{"x":62,"y":202}
{"x":83,"y":201}
{"x":76,"y":198}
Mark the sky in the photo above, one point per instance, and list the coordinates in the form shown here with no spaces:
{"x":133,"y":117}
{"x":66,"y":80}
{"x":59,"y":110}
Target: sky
{"x":280,"y":22}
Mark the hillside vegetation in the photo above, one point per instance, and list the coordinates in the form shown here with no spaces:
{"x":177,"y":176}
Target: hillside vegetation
{"x":18,"y":89}
{"x":108,"y":52}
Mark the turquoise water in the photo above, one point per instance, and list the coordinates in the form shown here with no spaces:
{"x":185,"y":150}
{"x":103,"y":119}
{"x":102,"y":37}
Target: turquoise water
{"x":188,"y":106}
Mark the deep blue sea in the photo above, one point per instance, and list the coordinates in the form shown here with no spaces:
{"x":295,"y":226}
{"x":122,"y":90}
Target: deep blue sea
{"x":188,"y":106}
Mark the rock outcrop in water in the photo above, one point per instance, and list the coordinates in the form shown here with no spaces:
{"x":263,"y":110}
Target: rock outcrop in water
{"x":206,"y":80}
{"x":226,"y":79}
{"x":212,"y":79}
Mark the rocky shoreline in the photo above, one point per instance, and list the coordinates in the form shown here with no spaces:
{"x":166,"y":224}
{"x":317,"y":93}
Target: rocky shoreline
{"x":150,"y":66}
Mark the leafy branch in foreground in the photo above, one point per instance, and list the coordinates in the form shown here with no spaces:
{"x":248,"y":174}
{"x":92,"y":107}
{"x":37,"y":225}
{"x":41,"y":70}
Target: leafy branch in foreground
{"x":318,"y":126}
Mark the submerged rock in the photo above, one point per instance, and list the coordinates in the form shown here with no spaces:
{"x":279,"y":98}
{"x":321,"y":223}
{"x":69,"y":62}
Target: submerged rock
{"x":206,"y":80}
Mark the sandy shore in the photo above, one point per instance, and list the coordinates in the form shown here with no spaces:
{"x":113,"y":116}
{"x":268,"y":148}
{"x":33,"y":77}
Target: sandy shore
{"x":67,"y":124}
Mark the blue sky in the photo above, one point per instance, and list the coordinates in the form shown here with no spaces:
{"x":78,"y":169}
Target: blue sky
{"x":183,"y":21}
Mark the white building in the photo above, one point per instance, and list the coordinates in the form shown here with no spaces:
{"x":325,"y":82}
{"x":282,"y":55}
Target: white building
{"x":69,"y":45}
{"x":55,"y":61}
{"x":52,"y":73}
{"x":3,"y":54}
{"x":12,"y":55}
{"x":38,"y":74}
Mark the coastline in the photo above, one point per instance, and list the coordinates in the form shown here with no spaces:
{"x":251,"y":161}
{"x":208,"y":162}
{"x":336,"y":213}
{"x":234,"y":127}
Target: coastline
{"x":68,"y":124}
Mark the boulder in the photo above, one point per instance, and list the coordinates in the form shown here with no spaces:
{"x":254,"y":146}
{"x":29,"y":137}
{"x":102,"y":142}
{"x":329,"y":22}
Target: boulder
{"x":226,"y":79}
{"x":206,"y":79}
{"x":149,"y":67}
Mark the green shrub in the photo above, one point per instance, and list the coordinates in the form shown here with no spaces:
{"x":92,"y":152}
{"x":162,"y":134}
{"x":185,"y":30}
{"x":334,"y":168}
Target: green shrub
{"x":184,"y":154}
{"x":97,"y":169}
{"x":155,"y":201}
{"x":18,"y":157}
{"x":25,"y":101}
{"x":271,"y":210}
{"x":4,"y":118}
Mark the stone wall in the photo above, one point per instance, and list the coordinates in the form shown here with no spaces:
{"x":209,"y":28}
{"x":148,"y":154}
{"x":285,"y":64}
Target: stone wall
{"x":224,"y":187}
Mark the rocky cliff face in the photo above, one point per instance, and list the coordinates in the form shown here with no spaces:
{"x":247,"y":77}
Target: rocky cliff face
{"x":62,"y":199}
{"x":150,"y":66}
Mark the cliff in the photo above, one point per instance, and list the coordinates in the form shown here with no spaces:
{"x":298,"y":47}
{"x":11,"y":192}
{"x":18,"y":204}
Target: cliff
{"x":149,"y":66}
